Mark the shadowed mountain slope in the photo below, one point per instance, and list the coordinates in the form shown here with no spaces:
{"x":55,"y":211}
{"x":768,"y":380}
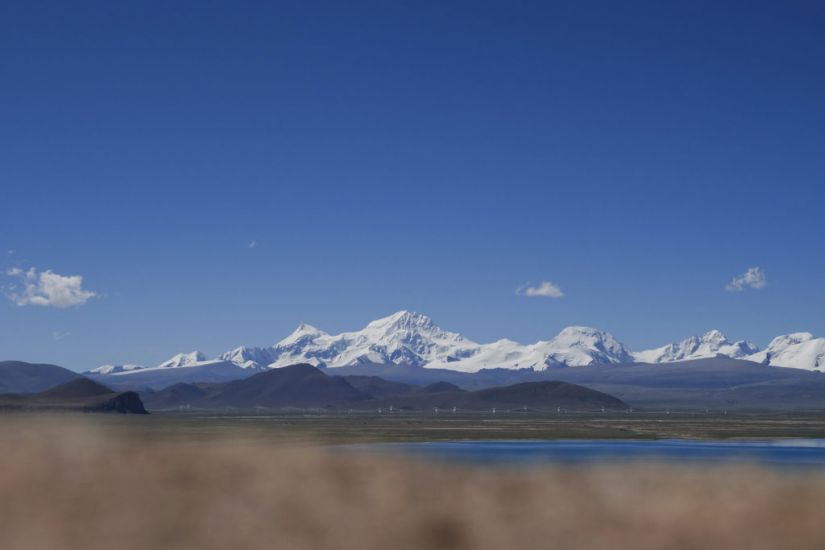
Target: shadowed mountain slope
{"x":294,"y":386}
{"x":81,"y":395}
{"x":537,"y":396}
{"x":307,"y":386}
{"x":175,"y":396}
{"x":79,"y":388}
{"x":718,"y":382}
{"x":440,"y":387}
{"x":380,"y":388}
{"x":21,"y":377}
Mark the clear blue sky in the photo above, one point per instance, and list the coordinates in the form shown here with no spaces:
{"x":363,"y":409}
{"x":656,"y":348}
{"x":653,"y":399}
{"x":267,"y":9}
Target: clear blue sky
{"x":429,"y":156}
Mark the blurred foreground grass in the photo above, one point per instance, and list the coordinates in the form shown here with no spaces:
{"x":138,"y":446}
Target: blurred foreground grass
{"x":72,"y":483}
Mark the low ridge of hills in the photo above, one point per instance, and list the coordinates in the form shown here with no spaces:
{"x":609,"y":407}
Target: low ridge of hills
{"x":542,"y":396}
{"x":22,"y":377}
{"x":79,"y":394}
{"x":379,"y":387}
{"x":718,"y":382}
{"x":304,"y":385}
{"x":79,"y":388}
{"x":293,"y":386}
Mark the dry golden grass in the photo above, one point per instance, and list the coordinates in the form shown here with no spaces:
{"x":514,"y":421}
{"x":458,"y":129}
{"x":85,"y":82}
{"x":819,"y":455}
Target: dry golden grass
{"x":72,"y":486}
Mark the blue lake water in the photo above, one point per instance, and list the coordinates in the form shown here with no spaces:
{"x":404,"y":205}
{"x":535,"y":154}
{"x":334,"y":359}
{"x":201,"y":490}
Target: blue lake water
{"x":791,"y":452}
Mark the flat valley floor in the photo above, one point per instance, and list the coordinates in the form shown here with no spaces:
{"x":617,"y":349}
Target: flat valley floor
{"x":360,"y":427}
{"x":206,"y":482}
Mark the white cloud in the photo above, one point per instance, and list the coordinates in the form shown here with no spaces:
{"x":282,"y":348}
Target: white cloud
{"x":545,"y":289}
{"x":252,"y":244}
{"x":754,"y":277}
{"x":60,"y":335}
{"x":47,"y":289}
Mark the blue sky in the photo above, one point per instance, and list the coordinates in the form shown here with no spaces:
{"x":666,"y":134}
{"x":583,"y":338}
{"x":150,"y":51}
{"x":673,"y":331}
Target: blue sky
{"x":395,"y":155}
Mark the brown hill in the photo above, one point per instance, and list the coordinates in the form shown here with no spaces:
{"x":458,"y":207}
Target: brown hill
{"x":80,"y":394}
{"x":294,"y":386}
{"x":79,"y":388}
{"x":306,"y":386}
{"x":20,"y":377}
{"x":537,"y":396}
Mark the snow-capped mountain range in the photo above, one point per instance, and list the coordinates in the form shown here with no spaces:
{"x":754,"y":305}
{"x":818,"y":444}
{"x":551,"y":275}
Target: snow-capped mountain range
{"x":407,"y":338}
{"x":710,"y":344}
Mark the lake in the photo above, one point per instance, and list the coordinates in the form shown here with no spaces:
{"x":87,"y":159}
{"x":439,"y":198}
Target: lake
{"x":786,"y":452}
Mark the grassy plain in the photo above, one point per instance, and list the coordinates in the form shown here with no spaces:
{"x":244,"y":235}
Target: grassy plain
{"x":214,"y":482}
{"x":341,"y":428}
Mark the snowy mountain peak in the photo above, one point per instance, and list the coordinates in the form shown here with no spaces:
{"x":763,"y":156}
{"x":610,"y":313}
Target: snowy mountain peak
{"x":249,"y":357}
{"x":781,"y":342}
{"x":405,"y":327}
{"x":402,"y":321}
{"x":710,"y":344}
{"x":113,"y":369}
{"x":795,"y":350}
{"x":576,"y":332}
{"x":591,"y":338}
{"x":714,"y":337}
{"x":304,"y":332}
{"x":580,"y":346}
{"x":183,"y":360}
{"x":403,"y":338}
{"x":306,"y":328}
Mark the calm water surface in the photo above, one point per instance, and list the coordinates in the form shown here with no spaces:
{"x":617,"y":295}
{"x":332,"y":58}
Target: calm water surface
{"x":795,"y":452}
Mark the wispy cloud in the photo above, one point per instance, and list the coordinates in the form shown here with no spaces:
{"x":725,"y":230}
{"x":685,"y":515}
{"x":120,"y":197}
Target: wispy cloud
{"x":754,"y":277}
{"x":60,"y":335}
{"x":252,"y":244}
{"x":544,"y":289}
{"x":47,"y":289}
